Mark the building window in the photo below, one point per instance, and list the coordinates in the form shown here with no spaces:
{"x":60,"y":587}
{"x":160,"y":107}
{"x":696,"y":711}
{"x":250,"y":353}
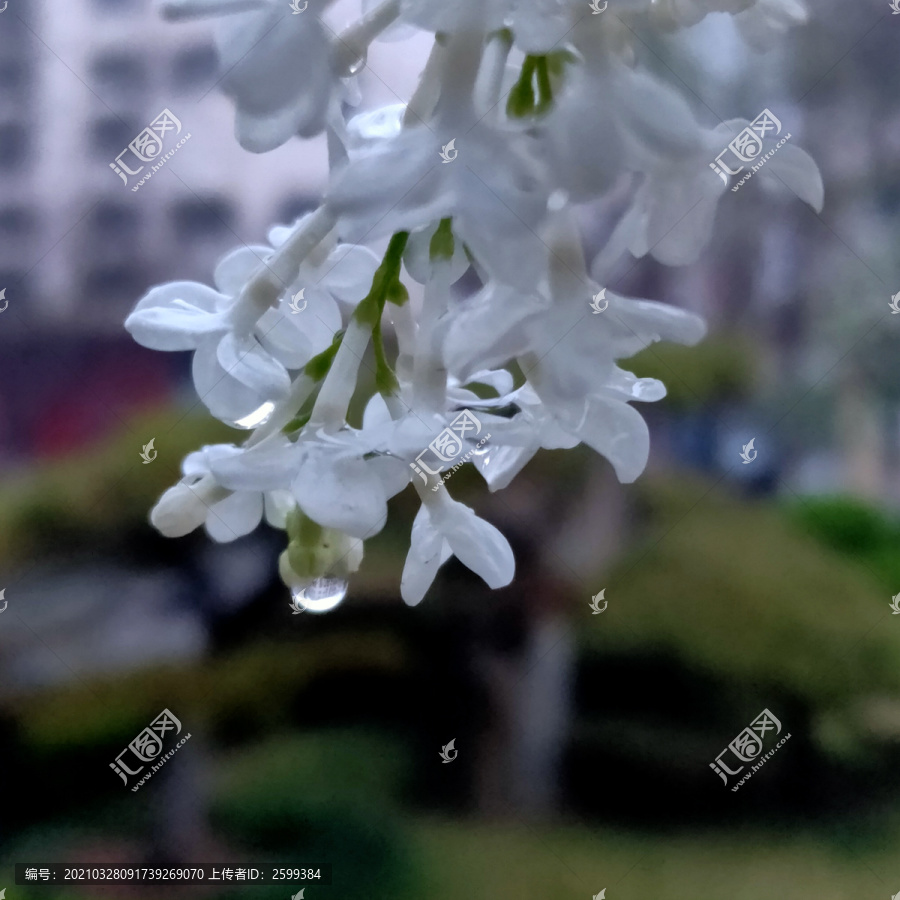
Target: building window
{"x":16,"y":222}
{"x":14,"y":76}
{"x":113,"y":222}
{"x":13,"y":145}
{"x":198,"y":220}
{"x":110,"y":136}
{"x":111,"y":285}
{"x":194,"y":66}
{"x":119,"y":72}
{"x":16,"y":287}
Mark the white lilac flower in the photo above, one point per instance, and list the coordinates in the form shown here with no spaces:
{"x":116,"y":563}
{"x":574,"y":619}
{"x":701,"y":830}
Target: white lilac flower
{"x":276,"y":67}
{"x":445,"y":528}
{"x":576,"y":392}
{"x":334,"y":479}
{"x":234,"y":373}
{"x":495,"y":190}
{"x":673,"y":211}
{"x":473,"y":183}
{"x":237,"y":373}
{"x":758,"y":20}
{"x":198,"y":499}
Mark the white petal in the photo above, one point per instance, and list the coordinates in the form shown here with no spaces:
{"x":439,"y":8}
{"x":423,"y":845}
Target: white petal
{"x":500,"y":465}
{"x":245,"y":360}
{"x":282,"y":336}
{"x":475,"y":543}
{"x":235,"y":516}
{"x":348,"y":272}
{"x":795,"y":168}
{"x":428,"y":551}
{"x":376,"y":413}
{"x":618,"y":432}
{"x":277,"y":506}
{"x":394,"y":474}
{"x":178,"y":512}
{"x":417,"y":256}
{"x":226,"y":398}
{"x":272,"y":464}
{"x":236,"y":268}
{"x":176,"y":316}
{"x":278,"y":71}
{"x":341,"y":493}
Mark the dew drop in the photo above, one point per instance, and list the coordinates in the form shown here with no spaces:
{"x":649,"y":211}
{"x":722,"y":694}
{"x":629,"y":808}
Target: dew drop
{"x":358,"y":65}
{"x":484,"y":453}
{"x":257,"y":417}
{"x":323,"y":595}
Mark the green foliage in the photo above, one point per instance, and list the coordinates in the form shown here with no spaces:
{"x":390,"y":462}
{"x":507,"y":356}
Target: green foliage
{"x":224,"y":691}
{"x":733,"y":589}
{"x":325,"y":797}
{"x":96,"y":495}
{"x":854,"y":529}
{"x":514,"y":861}
{"x":719,"y":369}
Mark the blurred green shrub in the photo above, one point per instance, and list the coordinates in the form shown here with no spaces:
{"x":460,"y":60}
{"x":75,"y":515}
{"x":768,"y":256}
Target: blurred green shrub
{"x":734,"y":591}
{"x":322,"y":798}
{"x":90,"y":498}
{"x":854,"y":529}
{"x":215,"y":692}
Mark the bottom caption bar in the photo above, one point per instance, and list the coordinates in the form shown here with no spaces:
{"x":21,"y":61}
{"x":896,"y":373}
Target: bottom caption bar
{"x":58,"y":873}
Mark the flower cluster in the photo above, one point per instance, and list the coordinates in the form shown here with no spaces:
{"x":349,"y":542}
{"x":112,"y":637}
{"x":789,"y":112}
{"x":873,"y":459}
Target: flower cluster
{"x":481,"y":301}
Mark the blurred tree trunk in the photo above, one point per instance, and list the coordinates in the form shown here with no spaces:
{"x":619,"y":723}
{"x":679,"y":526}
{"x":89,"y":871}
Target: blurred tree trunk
{"x":860,"y":437}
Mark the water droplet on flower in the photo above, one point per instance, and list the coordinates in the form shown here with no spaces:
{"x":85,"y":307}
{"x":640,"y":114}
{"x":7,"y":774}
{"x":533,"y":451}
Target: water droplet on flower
{"x":322,"y":595}
{"x":356,"y":67}
{"x":257,"y":417}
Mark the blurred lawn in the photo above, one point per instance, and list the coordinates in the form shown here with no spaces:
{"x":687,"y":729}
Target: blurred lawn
{"x":516,"y":862}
